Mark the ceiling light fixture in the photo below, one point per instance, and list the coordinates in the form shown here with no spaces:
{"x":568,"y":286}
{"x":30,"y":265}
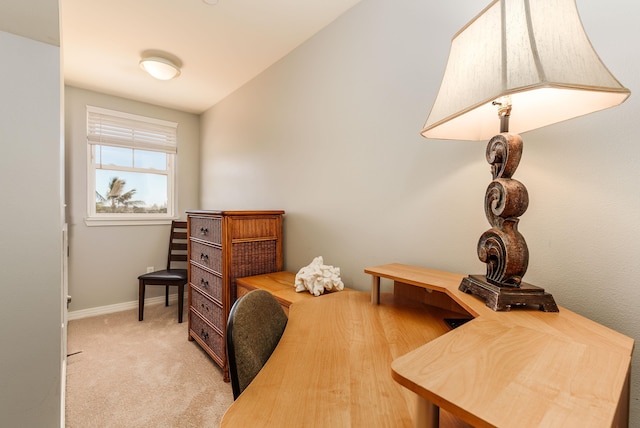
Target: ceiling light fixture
{"x":160,"y":68}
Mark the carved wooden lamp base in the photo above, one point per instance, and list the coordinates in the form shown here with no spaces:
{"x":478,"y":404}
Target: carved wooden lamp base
{"x":503,"y":298}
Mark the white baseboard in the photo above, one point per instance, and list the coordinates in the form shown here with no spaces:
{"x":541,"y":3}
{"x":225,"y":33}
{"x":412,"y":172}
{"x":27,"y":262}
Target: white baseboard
{"x":118,"y":307}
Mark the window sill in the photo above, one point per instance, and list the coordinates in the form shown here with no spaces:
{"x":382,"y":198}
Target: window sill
{"x":128,"y":221}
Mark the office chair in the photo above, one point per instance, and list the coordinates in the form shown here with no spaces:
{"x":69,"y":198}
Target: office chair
{"x":256,"y":323}
{"x":169,"y":276}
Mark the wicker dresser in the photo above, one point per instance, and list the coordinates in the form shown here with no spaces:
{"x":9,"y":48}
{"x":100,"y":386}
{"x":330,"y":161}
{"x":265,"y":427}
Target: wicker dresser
{"x":223,"y":246}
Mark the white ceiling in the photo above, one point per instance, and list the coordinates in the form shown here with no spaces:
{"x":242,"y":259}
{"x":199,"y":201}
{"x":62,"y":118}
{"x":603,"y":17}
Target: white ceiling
{"x":221,"y":46}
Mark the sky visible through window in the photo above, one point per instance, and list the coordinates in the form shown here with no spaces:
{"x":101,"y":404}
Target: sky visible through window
{"x":150,"y":188}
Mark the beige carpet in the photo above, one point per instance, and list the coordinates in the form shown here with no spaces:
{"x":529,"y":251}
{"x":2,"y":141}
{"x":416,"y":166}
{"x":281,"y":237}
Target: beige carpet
{"x":126,"y":373}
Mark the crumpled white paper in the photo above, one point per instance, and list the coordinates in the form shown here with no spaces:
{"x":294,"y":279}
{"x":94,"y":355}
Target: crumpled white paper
{"x":318,"y":277}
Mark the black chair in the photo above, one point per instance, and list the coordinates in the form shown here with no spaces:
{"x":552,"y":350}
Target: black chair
{"x":256,"y":323}
{"x":169,"y":276}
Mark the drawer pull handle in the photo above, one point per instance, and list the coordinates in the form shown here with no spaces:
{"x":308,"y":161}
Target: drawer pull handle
{"x":204,"y":231}
{"x":204,"y":283}
{"x":204,"y":257}
{"x":204,"y":334}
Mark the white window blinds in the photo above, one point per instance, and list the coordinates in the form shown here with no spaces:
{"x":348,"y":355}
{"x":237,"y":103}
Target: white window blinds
{"x":119,"y":129}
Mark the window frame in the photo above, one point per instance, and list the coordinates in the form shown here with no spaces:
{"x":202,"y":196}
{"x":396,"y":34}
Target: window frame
{"x":138,"y":139}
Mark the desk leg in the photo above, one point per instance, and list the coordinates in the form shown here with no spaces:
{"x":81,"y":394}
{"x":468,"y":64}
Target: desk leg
{"x":375,"y":290}
{"x":427,"y":414}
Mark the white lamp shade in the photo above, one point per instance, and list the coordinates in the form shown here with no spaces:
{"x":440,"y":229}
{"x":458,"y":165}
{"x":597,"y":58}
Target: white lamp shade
{"x":160,"y":68}
{"x":537,"y":53}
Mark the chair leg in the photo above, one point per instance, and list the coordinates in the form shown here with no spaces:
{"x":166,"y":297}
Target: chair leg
{"x":180,"y":301}
{"x":141,"y":300}
{"x":166,"y":295}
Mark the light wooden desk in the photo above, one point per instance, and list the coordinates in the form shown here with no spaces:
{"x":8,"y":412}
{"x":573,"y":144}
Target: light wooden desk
{"x":332,"y":365}
{"x":521,"y":368}
{"x":279,"y":284}
{"x":336,"y":363}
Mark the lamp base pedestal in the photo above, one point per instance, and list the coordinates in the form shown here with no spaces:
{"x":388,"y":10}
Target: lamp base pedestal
{"x":503,"y":298}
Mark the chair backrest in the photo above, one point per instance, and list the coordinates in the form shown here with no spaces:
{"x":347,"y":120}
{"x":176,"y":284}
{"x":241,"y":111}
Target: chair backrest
{"x":256,"y":323}
{"x":177,"y":243}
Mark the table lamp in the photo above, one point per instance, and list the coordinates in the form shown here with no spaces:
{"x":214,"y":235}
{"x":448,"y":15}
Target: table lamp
{"x":519,"y":65}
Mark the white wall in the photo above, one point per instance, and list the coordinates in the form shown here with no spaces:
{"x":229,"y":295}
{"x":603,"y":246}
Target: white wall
{"x":330,"y":134}
{"x":105,"y":261}
{"x":31,"y":251}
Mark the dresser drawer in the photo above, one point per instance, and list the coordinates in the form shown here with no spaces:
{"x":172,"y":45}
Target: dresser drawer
{"x":207,"y":256}
{"x":209,"y":309}
{"x":206,"y":282}
{"x":207,"y":228}
{"x":255,"y":228}
{"x":211,"y":338}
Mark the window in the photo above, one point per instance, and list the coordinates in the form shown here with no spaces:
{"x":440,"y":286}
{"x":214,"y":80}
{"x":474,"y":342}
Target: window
{"x":131,"y":168}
